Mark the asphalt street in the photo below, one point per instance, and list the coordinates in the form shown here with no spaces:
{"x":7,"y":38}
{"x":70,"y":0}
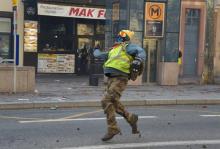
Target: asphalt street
{"x":168,"y":127}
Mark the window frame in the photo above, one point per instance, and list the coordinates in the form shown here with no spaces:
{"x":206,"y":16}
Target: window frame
{"x":11,"y":47}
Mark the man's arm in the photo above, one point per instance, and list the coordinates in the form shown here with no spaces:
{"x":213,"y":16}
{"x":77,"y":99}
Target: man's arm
{"x":136,"y":51}
{"x":137,"y":65}
{"x":101,"y":55}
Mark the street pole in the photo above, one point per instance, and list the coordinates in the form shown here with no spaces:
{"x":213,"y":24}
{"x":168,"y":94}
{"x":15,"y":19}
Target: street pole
{"x":14,"y":3}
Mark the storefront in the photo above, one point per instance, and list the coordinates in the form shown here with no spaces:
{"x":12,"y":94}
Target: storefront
{"x":163,"y":28}
{"x":6,"y":32}
{"x":59,"y":36}
{"x":6,"y":35}
{"x":156,"y":27}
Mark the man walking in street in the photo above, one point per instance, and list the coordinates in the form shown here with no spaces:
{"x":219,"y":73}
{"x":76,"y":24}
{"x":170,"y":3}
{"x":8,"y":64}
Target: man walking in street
{"x":124,"y":61}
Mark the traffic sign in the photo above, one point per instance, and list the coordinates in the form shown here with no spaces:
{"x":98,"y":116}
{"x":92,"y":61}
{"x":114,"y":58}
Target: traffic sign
{"x":14,"y":2}
{"x":155,"y":11}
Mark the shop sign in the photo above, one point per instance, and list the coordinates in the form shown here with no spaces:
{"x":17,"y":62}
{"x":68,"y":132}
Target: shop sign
{"x":154,"y":19}
{"x":30,"y":11}
{"x":56,"y":63}
{"x":71,"y":11}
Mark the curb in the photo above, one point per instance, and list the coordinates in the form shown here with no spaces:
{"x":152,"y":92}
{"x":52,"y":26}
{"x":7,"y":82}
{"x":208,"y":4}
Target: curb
{"x":96,"y":103}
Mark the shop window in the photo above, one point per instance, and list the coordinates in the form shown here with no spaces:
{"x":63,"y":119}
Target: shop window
{"x":85,"y":29}
{"x":100,"y":29}
{"x":100,"y":44}
{"x":5,"y":34}
{"x":84,"y":43}
{"x":4,"y":46}
{"x":5,"y":25}
{"x":56,"y":34}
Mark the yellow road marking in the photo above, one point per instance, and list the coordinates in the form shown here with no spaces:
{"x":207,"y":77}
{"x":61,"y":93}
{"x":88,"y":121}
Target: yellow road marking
{"x":67,"y":117}
{"x":13,"y":117}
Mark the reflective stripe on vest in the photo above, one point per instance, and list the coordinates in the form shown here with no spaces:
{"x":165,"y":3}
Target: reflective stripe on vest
{"x":119,"y":59}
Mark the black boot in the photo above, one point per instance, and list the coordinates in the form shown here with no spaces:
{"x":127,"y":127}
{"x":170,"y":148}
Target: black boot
{"x":110,"y":134}
{"x":133,"y":123}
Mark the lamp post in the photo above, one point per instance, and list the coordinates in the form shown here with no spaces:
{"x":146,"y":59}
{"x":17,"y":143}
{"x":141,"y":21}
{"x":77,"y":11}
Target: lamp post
{"x":14,"y":4}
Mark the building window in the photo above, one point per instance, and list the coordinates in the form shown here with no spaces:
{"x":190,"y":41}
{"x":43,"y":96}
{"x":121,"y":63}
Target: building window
{"x":100,"y":29}
{"x":85,"y":29}
{"x":192,"y":16}
{"x":56,"y":34}
{"x":5,"y":36}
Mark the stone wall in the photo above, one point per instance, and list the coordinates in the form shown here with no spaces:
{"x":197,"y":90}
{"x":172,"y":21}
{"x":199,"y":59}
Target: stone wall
{"x":25,"y":79}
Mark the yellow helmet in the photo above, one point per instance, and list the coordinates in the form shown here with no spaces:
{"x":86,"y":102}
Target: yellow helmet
{"x":126,"y":34}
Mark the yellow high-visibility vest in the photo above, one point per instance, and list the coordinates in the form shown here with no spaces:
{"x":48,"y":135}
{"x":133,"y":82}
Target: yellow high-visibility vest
{"x":179,"y":61}
{"x":119,"y":59}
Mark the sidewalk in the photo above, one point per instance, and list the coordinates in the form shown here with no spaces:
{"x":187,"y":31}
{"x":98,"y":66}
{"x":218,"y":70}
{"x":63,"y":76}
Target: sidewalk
{"x":68,"y":91}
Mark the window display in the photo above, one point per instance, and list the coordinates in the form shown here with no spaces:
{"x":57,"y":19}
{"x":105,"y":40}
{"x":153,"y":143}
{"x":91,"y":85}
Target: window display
{"x":55,"y":34}
{"x":5,"y":33}
{"x":84,"y":42}
{"x":85,"y":29}
{"x":30,"y":36}
{"x":100,"y":44}
{"x":4,"y":46}
{"x":100,"y":29}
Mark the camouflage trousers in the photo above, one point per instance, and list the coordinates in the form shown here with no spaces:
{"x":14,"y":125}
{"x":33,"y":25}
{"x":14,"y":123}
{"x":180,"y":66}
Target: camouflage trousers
{"x":111,"y":101}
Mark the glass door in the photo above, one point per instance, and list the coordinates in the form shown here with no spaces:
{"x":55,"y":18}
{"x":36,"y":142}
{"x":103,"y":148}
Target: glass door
{"x":191,"y":42}
{"x":90,"y":34}
{"x":85,"y":33}
{"x":150,"y":71}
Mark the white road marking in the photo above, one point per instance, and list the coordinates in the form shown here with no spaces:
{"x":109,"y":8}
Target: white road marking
{"x":79,"y":119}
{"x":210,"y":115}
{"x":149,"y":144}
{"x":23,"y":99}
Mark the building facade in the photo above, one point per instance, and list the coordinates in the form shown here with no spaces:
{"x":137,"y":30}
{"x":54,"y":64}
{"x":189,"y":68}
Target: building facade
{"x":217,"y":40}
{"x":163,"y":28}
{"x":56,"y":36}
{"x":6,"y":30}
{"x":59,"y":35}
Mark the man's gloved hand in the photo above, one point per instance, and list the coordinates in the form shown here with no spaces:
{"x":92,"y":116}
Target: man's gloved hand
{"x":136,"y":68}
